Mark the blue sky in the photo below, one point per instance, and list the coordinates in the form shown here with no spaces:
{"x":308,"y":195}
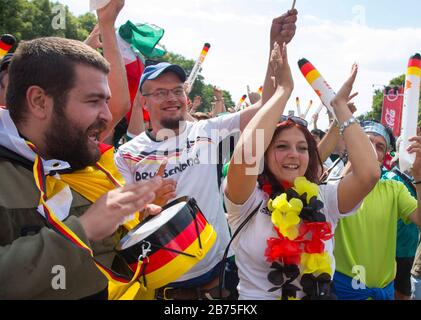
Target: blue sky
{"x":380,"y":35}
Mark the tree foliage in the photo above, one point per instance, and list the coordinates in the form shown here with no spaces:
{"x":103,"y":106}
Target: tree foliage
{"x":32,"y":19}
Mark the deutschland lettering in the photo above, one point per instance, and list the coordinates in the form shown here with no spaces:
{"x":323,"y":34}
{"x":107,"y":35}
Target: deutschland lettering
{"x":168,"y":173}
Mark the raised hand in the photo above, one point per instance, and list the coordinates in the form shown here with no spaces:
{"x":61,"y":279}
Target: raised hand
{"x":217,"y":93}
{"x":254,"y":97}
{"x":415,"y":147}
{"x":281,"y":71}
{"x":197,"y":101}
{"x":109,"y":13}
{"x":351,"y":104}
{"x":283,"y":28}
{"x":93,"y":40}
{"x":344,"y":94}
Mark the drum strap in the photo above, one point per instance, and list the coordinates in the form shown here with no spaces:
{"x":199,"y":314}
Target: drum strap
{"x":224,"y":259}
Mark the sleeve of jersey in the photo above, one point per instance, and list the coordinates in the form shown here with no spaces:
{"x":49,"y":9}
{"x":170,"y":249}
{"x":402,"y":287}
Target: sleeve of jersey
{"x":406,"y":203}
{"x":123,"y":167}
{"x":238,"y":213}
{"x":224,"y":126}
{"x":329,"y":196}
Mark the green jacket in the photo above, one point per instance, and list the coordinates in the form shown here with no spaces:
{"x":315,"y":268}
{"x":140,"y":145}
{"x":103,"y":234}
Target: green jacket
{"x":29,"y":249}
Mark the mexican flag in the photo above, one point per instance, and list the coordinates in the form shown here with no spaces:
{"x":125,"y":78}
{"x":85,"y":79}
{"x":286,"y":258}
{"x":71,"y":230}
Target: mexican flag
{"x":136,"y":43}
{"x":144,"y":37}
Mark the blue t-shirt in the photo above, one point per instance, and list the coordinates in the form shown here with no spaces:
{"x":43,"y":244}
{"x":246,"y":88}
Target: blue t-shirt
{"x":407,"y":234}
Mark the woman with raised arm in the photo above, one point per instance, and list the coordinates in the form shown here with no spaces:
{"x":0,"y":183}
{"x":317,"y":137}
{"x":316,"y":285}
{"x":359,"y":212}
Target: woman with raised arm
{"x":284,"y":248}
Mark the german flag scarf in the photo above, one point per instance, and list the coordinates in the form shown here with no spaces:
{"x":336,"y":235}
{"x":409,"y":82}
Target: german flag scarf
{"x":56,"y":197}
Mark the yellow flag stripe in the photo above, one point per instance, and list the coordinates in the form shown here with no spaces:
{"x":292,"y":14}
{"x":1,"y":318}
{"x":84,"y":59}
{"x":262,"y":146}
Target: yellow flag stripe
{"x":414,"y":71}
{"x":313,"y":76}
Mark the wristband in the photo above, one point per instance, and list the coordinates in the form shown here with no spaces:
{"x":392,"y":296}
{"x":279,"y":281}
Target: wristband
{"x":346,"y":124}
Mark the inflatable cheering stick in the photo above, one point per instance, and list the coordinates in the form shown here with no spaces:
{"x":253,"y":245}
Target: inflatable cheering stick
{"x":318,"y":83}
{"x":7,"y":41}
{"x":242,"y":100}
{"x":308,"y":109}
{"x":319,"y":109}
{"x":195,"y":71}
{"x":410,"y":111}
{"x":297,"y":102}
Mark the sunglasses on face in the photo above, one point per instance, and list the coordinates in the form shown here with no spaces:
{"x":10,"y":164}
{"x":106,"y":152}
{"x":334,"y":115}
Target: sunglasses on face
{"x":296,"y":120}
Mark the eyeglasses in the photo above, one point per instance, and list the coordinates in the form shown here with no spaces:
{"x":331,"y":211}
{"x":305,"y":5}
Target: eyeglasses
{"x":162,"y":94}
{"x":295,"y":119}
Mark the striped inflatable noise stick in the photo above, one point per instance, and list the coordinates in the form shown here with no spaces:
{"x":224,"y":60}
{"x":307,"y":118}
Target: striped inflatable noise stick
{"x":204,"y":52}
{"x":206,"y":47}
{"x":323,"y":90}
{"x":242,"y":100}
{"x":7,"y":41}
{"x":410,"y":111}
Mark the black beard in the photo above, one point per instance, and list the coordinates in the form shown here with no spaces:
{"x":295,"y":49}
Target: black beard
{"x":173,"y":123}
{"x":68,"y":142}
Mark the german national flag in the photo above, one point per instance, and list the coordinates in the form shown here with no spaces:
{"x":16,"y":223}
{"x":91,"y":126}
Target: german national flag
{"x":318,"y":83}
{"x":309,"y":71}
{"x":175,"y":248}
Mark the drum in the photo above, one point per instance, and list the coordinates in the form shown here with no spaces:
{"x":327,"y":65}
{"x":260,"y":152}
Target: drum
{"x":168,"y":244}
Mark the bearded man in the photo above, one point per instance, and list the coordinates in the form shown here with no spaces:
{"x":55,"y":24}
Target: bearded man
{"x":59,"y":209}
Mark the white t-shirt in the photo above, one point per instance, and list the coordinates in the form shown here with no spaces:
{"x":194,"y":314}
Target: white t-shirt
{"x":336,"y":172}
{"x":192,"y":162}
{"x":250,"y":245}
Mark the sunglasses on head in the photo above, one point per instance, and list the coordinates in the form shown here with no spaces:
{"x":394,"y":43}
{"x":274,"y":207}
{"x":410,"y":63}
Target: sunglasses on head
{"x":296,"y":120}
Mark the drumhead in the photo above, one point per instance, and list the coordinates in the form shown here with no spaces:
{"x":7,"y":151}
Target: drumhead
{"x":146,"y":229}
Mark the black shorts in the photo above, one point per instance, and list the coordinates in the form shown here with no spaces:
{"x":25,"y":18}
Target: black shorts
{"x":403,"y":275}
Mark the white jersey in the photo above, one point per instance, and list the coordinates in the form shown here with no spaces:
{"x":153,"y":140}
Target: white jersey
{"x":250,"y":245}
{"x":336,"y":172}
{"x":192,"y":162}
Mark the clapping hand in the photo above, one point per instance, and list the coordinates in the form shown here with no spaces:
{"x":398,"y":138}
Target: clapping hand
{"x":281,"y":71}
{"x":343,"y":96}
{"x":254,"y":97}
